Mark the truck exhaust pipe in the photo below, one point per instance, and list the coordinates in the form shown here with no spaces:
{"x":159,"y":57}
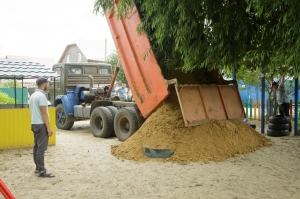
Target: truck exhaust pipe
{"x":113,"y":81}
{"x":91,"y":81}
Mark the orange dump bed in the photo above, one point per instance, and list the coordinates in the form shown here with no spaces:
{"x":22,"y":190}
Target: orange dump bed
{"x":200,"y":103}
{"x":142,"y":72}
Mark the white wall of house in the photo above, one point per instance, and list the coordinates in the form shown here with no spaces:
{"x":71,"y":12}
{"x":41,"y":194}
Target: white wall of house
{"x":74,"y":54}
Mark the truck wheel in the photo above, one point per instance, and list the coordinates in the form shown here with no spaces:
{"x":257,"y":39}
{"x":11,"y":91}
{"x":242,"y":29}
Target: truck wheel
{"x":125,"y":123}
{"x":62,"y":121}
{"x":113,"y":111}
{"x":101,"y":122}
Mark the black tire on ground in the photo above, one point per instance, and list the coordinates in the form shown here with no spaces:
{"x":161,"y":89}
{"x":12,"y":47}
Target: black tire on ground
{"x":279,"y":119}
{"x":277,"y":133}
{"x":253,"y":126}
{"x":125,"y":123}
{"x":62,"y":120}
{"x":274,"y":126}
{"x":101,"y":122}
{"x":113,"y":111}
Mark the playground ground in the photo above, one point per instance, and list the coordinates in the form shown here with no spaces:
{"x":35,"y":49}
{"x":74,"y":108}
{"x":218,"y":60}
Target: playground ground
{"x":85,"y":169}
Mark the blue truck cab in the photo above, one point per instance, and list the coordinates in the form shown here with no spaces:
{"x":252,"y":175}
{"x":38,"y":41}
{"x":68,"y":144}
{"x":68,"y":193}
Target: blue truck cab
{"x":77,"y":85}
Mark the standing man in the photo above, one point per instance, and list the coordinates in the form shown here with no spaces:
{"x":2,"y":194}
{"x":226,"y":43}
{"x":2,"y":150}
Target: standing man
{"x":282,"y":98}
{"x":40,"y":125}
{"x":123,"y":91}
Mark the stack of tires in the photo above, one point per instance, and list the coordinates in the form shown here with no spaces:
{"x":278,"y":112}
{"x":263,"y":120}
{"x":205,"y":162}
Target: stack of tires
{"x":278,"y":126}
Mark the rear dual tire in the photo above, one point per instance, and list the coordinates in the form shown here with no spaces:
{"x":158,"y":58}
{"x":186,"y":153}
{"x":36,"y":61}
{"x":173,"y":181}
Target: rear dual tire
{"x":113,"y":111}
{"x":108,"y":121}
{"x":101,"y":122}
{"x":125,"y":123}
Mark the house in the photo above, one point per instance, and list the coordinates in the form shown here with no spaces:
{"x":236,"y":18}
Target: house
{"x":86,"y":51}
{"x":45,"y":62}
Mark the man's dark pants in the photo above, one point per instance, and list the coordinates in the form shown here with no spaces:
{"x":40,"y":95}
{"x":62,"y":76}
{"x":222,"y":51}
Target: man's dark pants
{"x":40,"y":145}
{"x":284,"y":109}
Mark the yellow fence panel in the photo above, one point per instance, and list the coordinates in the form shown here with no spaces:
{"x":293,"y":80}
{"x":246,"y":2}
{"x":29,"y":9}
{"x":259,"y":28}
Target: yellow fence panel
{"x":15,"y":128}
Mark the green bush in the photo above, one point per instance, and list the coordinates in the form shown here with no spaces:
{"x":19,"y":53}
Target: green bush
{"x":10,"y":84}
{"x":5,"y":99}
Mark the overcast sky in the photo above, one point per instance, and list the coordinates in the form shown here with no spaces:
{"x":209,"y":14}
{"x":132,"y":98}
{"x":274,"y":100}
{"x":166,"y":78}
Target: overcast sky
{"x":43,"y":28}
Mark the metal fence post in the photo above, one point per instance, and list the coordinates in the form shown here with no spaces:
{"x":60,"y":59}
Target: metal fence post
{"x":250,"y":108}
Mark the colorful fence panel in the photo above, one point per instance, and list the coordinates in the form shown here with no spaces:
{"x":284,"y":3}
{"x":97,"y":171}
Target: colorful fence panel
{"x":15,"y":128}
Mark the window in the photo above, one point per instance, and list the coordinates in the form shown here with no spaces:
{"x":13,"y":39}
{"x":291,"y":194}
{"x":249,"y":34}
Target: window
{"x":75,"y":70}
{"x":90,"y":70}
{"x":105,"y":71}
{"x":78,"y":57}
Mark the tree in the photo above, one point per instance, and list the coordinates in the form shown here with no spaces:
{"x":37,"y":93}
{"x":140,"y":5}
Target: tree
{"x":281,"y":25}
{"x":253,"y":78}
{"x":219,"y":34}
{"x":10,"y":84}
{"x":114,"y":60}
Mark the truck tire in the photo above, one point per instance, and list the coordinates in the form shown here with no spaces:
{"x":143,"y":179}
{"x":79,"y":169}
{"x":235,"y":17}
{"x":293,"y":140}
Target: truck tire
{"x":113,"y":111}
{"x":279,"y":119}
{"x":62,"y":120}
{"x":101,"y":122}
{"x":277,"y":133}
{"x":125,"y":123}
{"x":274,"y":126}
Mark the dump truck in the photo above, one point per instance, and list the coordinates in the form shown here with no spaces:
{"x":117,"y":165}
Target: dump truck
{"x":82,"y":92}
{"x":110,"y":116}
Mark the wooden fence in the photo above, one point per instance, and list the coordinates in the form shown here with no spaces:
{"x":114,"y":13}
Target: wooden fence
{"x":253,"y":108}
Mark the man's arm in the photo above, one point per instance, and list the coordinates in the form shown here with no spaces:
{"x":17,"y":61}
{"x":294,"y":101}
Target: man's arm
{"x":46,"y":119}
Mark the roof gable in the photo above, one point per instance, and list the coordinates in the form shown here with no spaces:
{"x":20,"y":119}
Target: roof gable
{"x":91,"y":49}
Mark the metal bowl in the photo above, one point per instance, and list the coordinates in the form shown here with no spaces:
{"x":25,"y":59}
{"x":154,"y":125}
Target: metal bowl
{"x":158,"y":153}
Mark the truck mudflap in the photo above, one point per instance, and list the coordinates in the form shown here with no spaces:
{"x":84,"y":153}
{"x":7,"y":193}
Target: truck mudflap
{"x":144,"y":77}
{"x":201,"y":103}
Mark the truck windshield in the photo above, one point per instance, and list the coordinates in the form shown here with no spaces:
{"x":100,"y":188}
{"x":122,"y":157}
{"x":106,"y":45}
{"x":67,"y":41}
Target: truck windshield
{"x":104,"y":71}
{"x":75,"y":70}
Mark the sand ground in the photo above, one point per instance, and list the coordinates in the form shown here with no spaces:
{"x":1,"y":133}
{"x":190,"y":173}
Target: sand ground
{"x":85,"y":169}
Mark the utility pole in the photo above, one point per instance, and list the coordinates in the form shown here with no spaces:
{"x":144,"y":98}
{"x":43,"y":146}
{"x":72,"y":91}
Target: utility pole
{"x":105,"y":50}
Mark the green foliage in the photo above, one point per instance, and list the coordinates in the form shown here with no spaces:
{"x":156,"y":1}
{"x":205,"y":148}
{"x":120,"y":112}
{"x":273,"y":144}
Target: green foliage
{"x":113,"y":59}
{"x":220,"y":34}
{"x":249,"y":77}
{"x":10,"y":84}
{"x":5,"y":99}
{"x":280,"y":39}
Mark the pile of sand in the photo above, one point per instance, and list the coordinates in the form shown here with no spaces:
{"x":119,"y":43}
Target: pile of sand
{"x":211,"y":141}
